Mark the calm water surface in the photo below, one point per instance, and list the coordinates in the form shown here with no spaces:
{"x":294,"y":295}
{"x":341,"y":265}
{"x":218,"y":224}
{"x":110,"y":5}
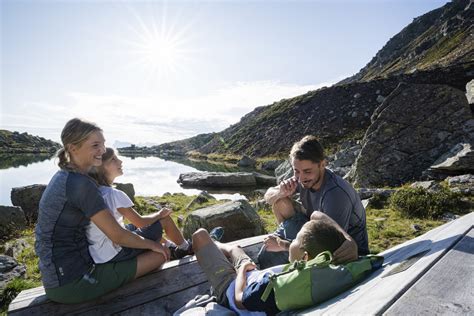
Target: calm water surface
{"x":149,"y":175}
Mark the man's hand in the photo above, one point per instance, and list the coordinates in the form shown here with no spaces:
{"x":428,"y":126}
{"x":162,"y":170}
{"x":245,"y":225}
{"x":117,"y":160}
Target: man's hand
{"x":288,"y":187}
{"x":273,"y":243}
{"x":346,"y":252}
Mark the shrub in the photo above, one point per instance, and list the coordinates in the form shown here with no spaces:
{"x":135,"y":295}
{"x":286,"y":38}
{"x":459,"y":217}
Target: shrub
{"x":421,"y":203}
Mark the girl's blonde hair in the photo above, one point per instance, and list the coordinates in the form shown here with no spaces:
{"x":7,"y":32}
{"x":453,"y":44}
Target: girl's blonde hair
{"x":75,"y":132}
{"x":98,"y":173}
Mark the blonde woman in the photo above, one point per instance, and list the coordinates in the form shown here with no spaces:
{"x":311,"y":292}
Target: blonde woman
{"x":70,"y":202}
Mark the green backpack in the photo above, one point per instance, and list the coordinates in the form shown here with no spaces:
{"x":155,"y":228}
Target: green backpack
{"x":307,"y":283}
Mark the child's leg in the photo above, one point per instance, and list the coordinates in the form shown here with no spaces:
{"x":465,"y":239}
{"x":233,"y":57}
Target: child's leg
{"x":148,"y":261}
{"x":172,"y":231}
{"x":219,"y":271}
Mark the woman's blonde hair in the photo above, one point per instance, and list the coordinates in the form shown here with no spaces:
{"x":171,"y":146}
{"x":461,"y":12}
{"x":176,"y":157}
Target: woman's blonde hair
{"x":98,"y":173}
{"x":75,"y":132}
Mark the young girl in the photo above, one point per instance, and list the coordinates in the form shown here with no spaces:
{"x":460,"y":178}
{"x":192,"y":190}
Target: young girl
{"x":101,"y":248}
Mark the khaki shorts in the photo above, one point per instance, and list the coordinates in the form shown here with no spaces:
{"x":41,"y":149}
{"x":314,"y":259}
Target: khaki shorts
{"x":102,"y":279}
{"x":219,"y":270}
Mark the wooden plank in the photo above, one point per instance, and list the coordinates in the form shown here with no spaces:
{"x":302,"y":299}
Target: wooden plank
{"x":169,"y":304}
{"x":377,"y":293}
{"x":448,"y":288}
{"x":178,"y":275}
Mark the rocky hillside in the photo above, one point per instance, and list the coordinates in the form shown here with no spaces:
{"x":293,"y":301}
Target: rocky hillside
{"x":14,"y":142}
{"x":439,"y":45}
{"x":437,"y":39}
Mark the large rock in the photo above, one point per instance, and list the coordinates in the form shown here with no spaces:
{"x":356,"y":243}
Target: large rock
{"x":264,"y":180}
{"x":15,"y":247}
{"x":11,"y":218}
{"x":342,"y":161}
{"x":459,"y":160}
{"x":246,"y":161}
{"x":28,"y":198}
{"x":127,"y":188}
{"x":463,"y":184}
{"x":414,"y":126}
{"x":271,"y":164}
{"x":9,"y":269}
{"x":238,"y":218}
{"x":284,"y":171}
{"x":217,"y":179}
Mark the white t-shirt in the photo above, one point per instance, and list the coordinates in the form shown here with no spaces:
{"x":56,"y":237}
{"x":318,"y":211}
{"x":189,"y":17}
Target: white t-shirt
{"x":101,"y":248}
{"x":252,"y":276}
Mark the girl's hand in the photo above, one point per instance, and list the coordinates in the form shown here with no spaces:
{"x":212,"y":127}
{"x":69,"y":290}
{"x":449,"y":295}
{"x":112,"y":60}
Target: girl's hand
{"x":272,"y":243}
{"x":164,"y":212}
{"x":159,"y":248}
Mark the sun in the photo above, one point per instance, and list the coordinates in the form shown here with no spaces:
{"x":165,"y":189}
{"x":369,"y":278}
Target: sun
{"x":159,"y":47}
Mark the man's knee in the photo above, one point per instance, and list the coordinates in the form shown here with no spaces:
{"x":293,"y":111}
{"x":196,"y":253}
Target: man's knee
{"x":200,"y":238}
{"x":283,"y":209}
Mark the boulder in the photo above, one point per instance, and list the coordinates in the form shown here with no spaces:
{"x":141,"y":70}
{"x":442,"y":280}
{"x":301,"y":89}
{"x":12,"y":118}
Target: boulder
{"x":366,"y":193}
{"x":15,"y":247}
{"x":413,"y":126}
{"x":463,"y":184}
{"x":264,"y":180}
{"x":238,"y":218}
{"x":127,"y":188}
{"x":431,"y":185}
{"x":470,"y":92}
{"x":459,"y":160}
{"x":12,"y":218}
{"x":271,"y":164}
{"x":284,"y":171}
{"x":247,"y":162}
{"x":217,"y":179}
{"x":9,"y":269}
{"x":28,"y":198}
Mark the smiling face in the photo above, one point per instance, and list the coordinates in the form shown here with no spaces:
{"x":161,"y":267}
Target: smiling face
{"x":112,"y":168}
{"x":308,"y":173}
{"x":88,"y":154}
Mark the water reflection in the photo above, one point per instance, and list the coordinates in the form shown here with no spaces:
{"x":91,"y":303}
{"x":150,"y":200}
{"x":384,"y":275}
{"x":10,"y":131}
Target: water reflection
{"x":150,"y":175}
{"x":18,"y":160}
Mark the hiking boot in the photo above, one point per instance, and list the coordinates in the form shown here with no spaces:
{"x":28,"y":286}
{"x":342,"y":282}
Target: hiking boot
{"x":216,"y":233}
{"x":178,"y":253}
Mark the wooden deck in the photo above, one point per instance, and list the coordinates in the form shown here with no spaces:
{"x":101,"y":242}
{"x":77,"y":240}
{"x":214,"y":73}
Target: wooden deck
{"x":431,"y":274}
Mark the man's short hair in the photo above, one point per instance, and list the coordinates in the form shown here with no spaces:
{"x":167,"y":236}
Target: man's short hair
{"x":320,"y":235}
{"x":308,"y":148}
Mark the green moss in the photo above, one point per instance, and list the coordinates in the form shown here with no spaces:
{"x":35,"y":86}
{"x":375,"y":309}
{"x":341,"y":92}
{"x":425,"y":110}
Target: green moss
{"x":442,"y":48}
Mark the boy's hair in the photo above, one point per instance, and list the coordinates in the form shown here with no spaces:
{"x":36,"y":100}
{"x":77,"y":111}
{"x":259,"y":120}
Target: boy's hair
{"x":98,"y":173}
{"x":320,"y":235}
{"x":308,"y":148}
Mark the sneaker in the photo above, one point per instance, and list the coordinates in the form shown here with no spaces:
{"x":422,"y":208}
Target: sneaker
{"x":216,"y":233}
{"x":178,"y":253}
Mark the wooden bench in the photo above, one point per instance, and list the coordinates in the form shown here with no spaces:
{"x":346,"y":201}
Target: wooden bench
{"x":432,"y":273}
{"x":161,"y":292}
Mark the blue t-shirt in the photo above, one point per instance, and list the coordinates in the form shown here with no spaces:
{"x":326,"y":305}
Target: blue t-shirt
{"x":252,"y":297}
{"x":65,"y":209}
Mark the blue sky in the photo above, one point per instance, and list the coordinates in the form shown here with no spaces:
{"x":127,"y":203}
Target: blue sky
{"x":155,"y":71}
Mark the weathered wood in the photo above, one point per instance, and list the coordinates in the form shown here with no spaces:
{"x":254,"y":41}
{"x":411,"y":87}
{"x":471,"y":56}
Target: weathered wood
{"x":378,"y":293}
{"x":447,"y":288}
{"x":174,"y":277}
